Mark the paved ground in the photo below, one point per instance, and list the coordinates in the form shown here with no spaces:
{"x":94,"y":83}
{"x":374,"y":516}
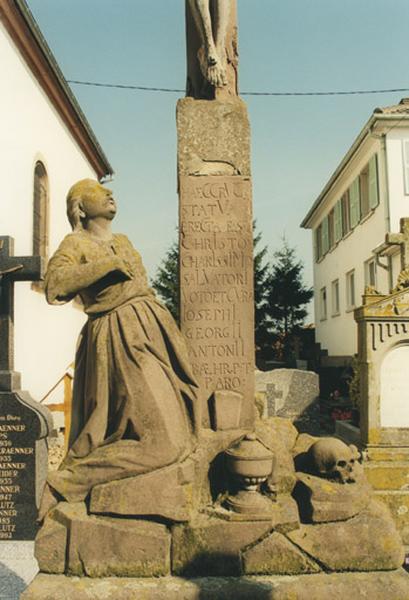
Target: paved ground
{"x":17,"y":568}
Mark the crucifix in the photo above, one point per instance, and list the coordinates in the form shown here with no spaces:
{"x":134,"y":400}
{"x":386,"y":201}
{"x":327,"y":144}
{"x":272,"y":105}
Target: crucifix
{"x":12,"y":268}
{"x":401,"y":239}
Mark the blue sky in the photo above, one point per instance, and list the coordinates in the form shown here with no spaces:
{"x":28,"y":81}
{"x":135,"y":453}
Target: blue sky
{"x":297,"y":142}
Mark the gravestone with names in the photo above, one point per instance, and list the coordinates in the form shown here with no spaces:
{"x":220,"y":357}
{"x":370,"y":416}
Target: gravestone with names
{"x":24,"y":424}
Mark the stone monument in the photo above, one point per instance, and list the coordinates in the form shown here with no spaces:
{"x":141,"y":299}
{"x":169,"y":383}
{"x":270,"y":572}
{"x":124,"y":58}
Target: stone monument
{"x":173,"y":486}
{"x":215,"y":219}
{"x":383,"y":352}
{"x":24,"y":424}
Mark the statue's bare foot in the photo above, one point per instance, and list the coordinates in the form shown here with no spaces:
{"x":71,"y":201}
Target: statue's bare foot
{"x":48,"y":502}
{"x":211,"y":67}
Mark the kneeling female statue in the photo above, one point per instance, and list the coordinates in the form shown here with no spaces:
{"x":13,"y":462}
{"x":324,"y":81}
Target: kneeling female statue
{"x":134,"y":398}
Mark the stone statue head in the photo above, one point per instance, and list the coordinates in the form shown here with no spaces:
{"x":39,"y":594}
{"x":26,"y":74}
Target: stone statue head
{"x":86,"y":196}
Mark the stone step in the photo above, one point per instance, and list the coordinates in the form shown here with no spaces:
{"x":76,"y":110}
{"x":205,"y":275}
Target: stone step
{"x":387,"y":453}
{"x":378,"y":585}
{"x":384,"y":475}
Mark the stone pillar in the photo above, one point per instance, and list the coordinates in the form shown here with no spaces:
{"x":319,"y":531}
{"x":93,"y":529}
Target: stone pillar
{"x":216,"y":254}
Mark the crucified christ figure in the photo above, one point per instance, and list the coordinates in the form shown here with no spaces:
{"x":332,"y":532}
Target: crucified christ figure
{"x":212,"y":45}
{"x":212,"y":54}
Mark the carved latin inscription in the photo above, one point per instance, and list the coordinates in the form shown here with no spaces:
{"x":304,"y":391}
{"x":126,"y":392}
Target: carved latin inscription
{"x":217,"y":296}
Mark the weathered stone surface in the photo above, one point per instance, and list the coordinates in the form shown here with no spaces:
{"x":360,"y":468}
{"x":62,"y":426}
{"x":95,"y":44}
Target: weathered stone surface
{"x":279,"y":435}
{"x":276,"y":555}
{"x":102,"y":547}
{"x":303,"y":443}
{"x":216,"y":274}
{"x":367,"y":542}
{"x":105,"y":546}
{"x":227,"y":406}
{"x":213,"y":132}
{"x":398,"y":504}
{"x":338,"y":586}
{"x":216,"y":251}
{"x":321,"y":500}
{"x":283,"y":514}
{"x":211,"y":546}
{"x":50,"y":547}
{"x":288,"y":392}
{"x":388,"y":475}
{"x":166,"y":493}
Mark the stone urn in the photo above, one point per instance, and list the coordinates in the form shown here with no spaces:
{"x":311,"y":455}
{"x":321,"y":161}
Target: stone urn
{"x":250,"y":462}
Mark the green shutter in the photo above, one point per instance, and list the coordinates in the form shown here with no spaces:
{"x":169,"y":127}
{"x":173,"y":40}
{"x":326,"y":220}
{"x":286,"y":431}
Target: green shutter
{"x":325,"y":236}
{"x":373,"y":182}
{"x":354,"y":211}
{"x":338,"y":221}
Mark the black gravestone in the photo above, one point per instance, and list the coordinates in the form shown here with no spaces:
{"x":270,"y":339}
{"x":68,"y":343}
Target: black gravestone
{"x":24,"y":423}
{"x":24,"y":426}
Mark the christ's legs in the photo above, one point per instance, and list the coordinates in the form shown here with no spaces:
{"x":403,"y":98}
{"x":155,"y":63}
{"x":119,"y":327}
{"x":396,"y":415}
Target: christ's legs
{"x":212,"y":55}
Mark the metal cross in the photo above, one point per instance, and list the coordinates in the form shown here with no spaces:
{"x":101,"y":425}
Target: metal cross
{"x":12,"y":268}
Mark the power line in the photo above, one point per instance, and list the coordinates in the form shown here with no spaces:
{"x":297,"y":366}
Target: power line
{"x":174,"y":90}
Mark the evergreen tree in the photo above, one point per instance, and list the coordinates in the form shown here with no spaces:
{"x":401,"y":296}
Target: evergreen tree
{"x":166,"y":281}
{"x":263,"y":336}
{"x":287,"y":296}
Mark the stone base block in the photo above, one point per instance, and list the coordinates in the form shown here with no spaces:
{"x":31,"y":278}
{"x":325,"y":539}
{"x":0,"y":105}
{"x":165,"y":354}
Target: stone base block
{"x":367,"y":542}
{"x":75,"y":543}
{"x":321,"y":500}
{"x":282,"y":514}
{"x":165,"y":493}
{"x":211,"y":546}
{"x":338,"y":586}
{"x":276,"y":555}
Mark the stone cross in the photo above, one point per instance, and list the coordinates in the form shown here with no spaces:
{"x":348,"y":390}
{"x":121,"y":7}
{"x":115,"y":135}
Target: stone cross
{"x":401,"y":239}
{"x":12,"y":268}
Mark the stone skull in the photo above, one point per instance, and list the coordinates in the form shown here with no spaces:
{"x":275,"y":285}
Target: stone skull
{"x":332,"y":458}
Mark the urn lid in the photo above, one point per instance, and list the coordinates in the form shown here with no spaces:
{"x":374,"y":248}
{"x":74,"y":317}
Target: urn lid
{"x":249,"y":448}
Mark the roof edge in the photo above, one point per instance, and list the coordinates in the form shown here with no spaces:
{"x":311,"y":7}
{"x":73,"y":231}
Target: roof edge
{"x":26,"y":34}
{"x":365,"y":131}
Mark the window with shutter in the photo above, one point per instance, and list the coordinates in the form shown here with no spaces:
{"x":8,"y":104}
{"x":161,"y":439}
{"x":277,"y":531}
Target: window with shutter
{"x":370,"y":272}
{"x":373,"y":182}
{"x":323,"y":304}
{"x":364,"y":189}
{"x":325,"y":236}
{"x":350,"y":289}
{"x":338,"y":221}
{"x":331,"y":238}
{"x":318,"y":243}
{"x":354,"y":208}
{"x":335,"y":297}
{"x":346,"y":226}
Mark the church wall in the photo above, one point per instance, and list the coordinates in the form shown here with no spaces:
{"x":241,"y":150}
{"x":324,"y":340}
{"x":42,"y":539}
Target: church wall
{"x":32,"y":130}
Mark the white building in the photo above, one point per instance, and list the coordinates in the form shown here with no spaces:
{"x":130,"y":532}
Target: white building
{"x":363,"y":200}
{"x":47,"y":145}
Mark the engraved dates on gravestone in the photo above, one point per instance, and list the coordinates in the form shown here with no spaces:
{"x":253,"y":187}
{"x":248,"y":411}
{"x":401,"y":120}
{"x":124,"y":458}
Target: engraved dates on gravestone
{"x":216,"y":274}
{"x":23,"y":460}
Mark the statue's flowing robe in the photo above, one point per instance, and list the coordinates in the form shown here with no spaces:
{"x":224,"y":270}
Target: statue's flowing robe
{"x":134,"y":397}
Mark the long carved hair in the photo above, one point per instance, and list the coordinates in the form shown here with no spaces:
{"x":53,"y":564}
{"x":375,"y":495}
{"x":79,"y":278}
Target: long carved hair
{"x":74,"y":198}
